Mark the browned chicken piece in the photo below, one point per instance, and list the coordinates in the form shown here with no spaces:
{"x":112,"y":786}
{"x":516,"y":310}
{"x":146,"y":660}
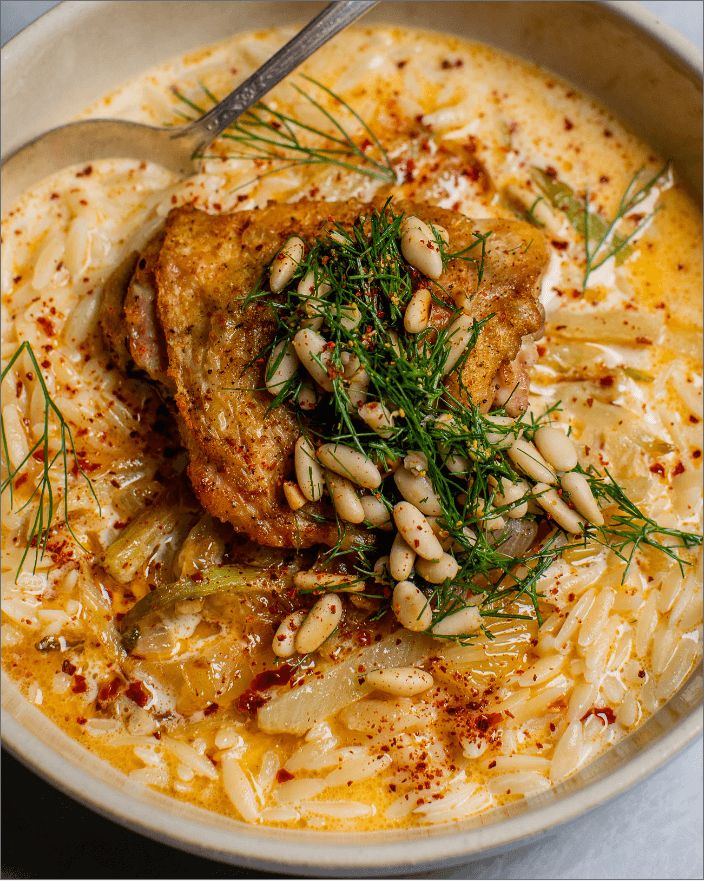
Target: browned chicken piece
{"x":145,"y":333}
{"x":241,"y":450}
{"x":112,"y":312}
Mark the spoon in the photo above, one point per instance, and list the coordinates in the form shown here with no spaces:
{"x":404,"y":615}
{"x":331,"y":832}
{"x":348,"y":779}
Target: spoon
{"x":175,"y":147}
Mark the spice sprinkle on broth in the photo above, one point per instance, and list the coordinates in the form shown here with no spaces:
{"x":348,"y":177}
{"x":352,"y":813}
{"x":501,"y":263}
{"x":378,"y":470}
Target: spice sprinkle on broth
{"x":355,"y":483}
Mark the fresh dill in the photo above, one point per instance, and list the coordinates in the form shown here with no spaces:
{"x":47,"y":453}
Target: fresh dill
{"x":44,"y":492}
{"x":628,"y":528}
{"x":603,"y":239}
{"x":265,"y":134}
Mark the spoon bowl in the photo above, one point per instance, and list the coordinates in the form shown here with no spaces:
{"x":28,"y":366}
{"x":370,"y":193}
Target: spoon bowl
{"x":174,"y":148}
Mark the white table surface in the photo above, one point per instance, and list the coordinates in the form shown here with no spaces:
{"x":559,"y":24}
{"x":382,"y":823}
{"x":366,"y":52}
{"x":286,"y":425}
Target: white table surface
{"x":653,"y":831}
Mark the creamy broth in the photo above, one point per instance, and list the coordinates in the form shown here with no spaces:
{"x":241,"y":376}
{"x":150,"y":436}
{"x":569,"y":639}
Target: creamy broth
{"x":465,"y":125}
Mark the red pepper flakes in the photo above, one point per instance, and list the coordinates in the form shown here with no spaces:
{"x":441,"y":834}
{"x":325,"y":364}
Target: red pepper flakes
{"x":606,"y":381}
{"x":363,"y":637}
{"x":605,"y":714}
{"x":46,"y":325}
{"x":678,"y":469}
{"x":657,"y":468}
{"x":110,"y":690}
{"x":559,"y":246}
{"x":79,"y":684}
{"x":268,"y":678}
{"x":68,"y":668}
{"x":283,"y":776}
{"x":250,"y":701}
{"x":210,"y":709}
{"x":137,"y":693}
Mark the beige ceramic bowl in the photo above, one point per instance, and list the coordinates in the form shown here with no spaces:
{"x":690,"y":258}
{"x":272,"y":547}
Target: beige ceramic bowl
{"x":643,"y":71}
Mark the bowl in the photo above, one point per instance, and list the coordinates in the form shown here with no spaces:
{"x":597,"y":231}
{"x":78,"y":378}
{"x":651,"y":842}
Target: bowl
{"x":646,"y":74}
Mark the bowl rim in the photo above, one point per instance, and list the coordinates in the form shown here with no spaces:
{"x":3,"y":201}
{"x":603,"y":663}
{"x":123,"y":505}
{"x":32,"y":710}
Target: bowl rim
{"x":242,"y":844}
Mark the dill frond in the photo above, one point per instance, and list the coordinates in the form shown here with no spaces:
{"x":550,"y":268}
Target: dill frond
{"x":264,"y":133}
{"x":44,"y":492}
{"x":603,"y":239}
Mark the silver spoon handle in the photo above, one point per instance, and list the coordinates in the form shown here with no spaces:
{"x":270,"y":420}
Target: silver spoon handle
{"x":325,"y":25}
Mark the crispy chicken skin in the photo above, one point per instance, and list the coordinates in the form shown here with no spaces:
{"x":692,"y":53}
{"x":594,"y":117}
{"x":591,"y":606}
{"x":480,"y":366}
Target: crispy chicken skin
{"x":241,"y":451}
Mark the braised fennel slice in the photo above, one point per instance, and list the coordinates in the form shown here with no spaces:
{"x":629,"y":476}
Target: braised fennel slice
{"x":218,"y":579}
{"x":462,"y":451}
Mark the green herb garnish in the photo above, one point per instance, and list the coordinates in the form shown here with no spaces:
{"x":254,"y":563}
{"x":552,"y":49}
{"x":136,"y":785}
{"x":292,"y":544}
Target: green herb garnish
{"x":44,"y":491}
{"x":266,"y":134}
{"x":602,"y":238}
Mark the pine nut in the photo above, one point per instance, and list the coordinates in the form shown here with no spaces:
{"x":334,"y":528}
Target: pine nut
{"x":378,"y":418}
{"x":503,"y":439}
{"x":416,"y":531}
{"x":459,"y":333}
{"x":416,"y":462}
{"x":344,"y":498}
{"x":307,"y":397}
{"x":349,"y":463}
{"x":357,"y":389}
{"x":417,"y":314}
{"x":350,"y":364}
{"x":313,"y":315}
{"x":339,"y":237}
{"x":313,"y":304}
{"x":376,"y":513}
{"x":310,"y":348}
{"x":419,"y":247}
{"x":307,"y":287}
{"x":400,"y":681}
{"x":284,"y":265}
{"x":411,"y":607}
{"x":457,"y":464}
{"x":418,"y":491}
{"x":295,"y":498}
{"x":563,"y":515}
{"x":401,"y":559}
{"x":493,"y":521}
{"x":309,"y":474}
{"x":284,"y":642}
{"x":508,"y":494}
{"x":446,"y":567}
{"x":315,"y":579}
{"x":350,"y":316}
{"x":581,"y":496}
{"x":467,"y":621}
{"x":556,"y":448}
{"x":319,"y":624}
{"x":281,"y":367}
{"x":525,"y":456}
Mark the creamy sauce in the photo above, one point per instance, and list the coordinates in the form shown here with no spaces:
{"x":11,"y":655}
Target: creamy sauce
{"x":466,"y":124}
